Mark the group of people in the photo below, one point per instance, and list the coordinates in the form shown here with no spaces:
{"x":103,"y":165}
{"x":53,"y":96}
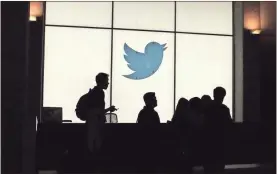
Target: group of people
{"x":202,"y":126}
{"x":197,"y":121}
{"x":193,"y":111}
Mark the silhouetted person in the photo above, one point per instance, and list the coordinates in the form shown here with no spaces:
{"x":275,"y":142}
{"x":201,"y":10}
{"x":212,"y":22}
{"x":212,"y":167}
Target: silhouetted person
{"x":180,"y":123}
{"x":219,"y":95}
{"x":96,"y":112}
{"x":180,"y":112}
{"x":221,"y":117}
{"x":148,"y":116}
{"x":217,"y":125}
{"x":149,"y":119}
{"x":206,"y":103}
{"x":206,"y":97}
{"x":195,"y":132}
{"x":195,"y":115}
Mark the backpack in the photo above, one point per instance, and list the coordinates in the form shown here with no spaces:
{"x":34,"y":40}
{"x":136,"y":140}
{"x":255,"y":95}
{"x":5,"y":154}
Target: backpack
{"x":81,"y":107}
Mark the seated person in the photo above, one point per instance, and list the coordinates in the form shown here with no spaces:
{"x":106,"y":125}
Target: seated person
{"x":148,"y":115}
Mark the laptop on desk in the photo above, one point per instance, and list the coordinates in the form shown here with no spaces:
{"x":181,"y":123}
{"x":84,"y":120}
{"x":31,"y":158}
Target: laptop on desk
{"x":52,"y":115}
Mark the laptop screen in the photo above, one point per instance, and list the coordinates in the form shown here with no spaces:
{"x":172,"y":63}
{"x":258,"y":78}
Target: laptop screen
{"x":52,"y":114}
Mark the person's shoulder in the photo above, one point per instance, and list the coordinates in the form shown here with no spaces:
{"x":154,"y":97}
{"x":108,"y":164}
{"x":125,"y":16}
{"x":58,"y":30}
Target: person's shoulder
{"x":142,"y":111}
{"x":91,"y":90}
{"x":96,"y":90}
{"x":224,"y":106}
{"x":156,"y":113}
{"x":141,"y":115}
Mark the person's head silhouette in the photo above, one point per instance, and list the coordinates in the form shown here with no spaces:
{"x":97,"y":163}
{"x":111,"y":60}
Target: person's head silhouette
{"x":219,"y":94}
{"x":150,"y":99}
{"x":195,"y":103}
{"x":206,"y":101}
{"x":182,"y":104}
{"x":102,"y":80}
{"x":206,"y":98}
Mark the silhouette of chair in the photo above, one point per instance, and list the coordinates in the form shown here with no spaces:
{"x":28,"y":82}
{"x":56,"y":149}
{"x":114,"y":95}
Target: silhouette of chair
{"x":111,"y":118}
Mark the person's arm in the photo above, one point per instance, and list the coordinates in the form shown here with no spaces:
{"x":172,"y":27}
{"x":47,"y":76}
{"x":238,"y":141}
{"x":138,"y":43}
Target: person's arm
{"x":106,"y":110}
{"x":139,"y":117}
{"x":110,"y":109}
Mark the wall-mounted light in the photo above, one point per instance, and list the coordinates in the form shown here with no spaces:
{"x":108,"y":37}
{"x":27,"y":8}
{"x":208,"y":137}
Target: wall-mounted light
{"x":256,"y":31}
{"x":36,"y":10}
{"x":252,"y":17}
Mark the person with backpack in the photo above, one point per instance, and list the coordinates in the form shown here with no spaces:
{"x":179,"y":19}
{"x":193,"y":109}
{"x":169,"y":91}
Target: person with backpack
{"x":91,"y":108}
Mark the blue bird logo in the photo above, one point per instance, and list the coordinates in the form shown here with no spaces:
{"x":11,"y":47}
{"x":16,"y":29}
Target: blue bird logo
{"x":144,"y":64}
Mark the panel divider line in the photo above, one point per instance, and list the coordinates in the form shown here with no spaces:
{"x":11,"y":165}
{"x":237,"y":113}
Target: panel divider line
{"x":42,"y":62}
{"x":132,"y":29}
{"x":175,"y":24}
{"x":233,"y":64}
{"x":111,"y":70}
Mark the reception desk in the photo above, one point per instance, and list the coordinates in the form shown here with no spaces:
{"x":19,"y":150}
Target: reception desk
{"x":246,"y":143}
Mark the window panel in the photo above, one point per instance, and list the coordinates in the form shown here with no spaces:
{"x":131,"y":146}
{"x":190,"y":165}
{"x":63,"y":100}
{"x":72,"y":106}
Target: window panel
{"x":144,"y":15}
{"x":91,"y":14}
{"x":203,"y":62}
{"x":205,"y":17}
{"x":73,"y":57}
{"x":127,"y":94}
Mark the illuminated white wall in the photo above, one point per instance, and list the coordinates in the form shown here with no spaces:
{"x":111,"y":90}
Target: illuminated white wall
{"x":89,"y":14}
{"x":144,"y":15}
{"x":203,"y":63}
{"x":128,"y":94}
{"x":79,"y":44}
{"x":204,"y":17}
{"x":72,"y":58}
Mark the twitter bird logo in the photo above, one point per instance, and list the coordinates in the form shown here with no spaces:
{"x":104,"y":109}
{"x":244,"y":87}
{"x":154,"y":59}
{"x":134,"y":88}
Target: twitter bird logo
{"x":144,"y":64}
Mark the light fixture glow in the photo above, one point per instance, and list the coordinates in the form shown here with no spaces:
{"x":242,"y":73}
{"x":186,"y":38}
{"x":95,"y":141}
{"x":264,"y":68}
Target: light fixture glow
{"x":256,"y":31}
{"x":252,"y":19}
{"x":33,"y":18}
{"x":36,"y":10}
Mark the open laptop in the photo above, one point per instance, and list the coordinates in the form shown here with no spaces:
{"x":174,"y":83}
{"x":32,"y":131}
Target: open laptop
{"x":52,"y":114}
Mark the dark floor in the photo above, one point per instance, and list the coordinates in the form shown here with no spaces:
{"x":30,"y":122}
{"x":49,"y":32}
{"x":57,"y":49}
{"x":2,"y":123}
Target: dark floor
{"x":230,"y":169}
